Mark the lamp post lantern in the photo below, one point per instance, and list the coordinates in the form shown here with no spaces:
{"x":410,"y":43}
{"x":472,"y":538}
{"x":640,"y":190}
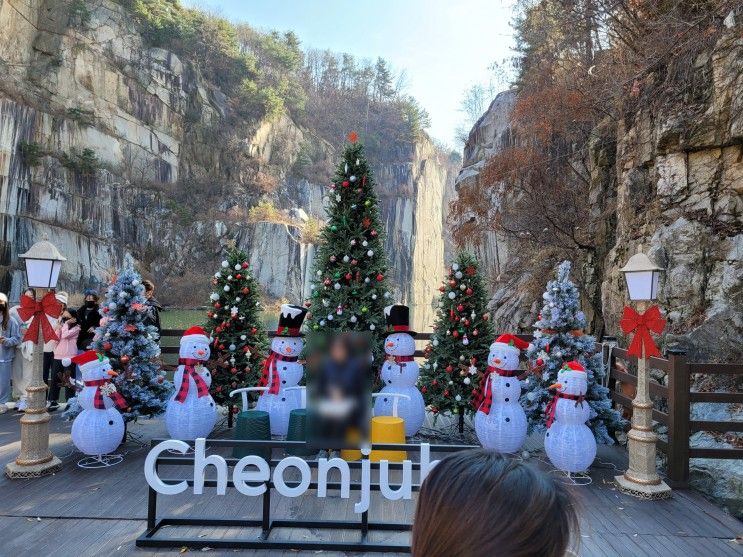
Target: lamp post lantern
{"x":43,"y":262}
{"x":641,"y":478}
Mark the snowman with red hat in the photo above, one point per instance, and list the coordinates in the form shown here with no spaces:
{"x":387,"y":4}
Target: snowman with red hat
{"x":282,"y":369}
{"x":500,"y":422}
{"x":191,"y":411}
{"x":569,"y":443}
{"x":99,"y":428}
{"x":399,"y":373}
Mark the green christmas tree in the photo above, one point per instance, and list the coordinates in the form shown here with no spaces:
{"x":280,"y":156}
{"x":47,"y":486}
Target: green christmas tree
{"x":131,"y":346}
{"x":458,"y":351}
{"x":239,"y":340}
{"x":349,"y":289}
{"x":559,"y":338}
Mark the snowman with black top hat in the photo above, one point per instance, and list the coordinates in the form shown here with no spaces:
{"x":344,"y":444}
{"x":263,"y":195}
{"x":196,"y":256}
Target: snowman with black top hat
{"x":399,"y":373}
{"x":282,"y":369}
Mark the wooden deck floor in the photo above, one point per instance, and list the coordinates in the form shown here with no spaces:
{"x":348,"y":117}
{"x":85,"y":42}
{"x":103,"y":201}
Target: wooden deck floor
{"x":101,"y":512}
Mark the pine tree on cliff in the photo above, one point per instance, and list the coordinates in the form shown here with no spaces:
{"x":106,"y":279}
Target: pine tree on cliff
{"x":559,"y":338}
{"x":349,"y":289}
{"x":463,"y":332}
{"x":131,"y":346}
{"x":239,"y":339}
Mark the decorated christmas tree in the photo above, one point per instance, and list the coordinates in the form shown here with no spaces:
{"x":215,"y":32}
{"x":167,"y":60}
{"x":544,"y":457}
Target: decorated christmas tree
{"x":349,"y":289}
{"x":239,"y":339}
{"x":559,"y":338}
{"x":458,"y":351}
{"x":131,"y":347}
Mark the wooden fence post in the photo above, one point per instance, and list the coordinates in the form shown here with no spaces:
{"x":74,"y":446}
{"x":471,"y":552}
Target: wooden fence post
{"x":678,"y":418}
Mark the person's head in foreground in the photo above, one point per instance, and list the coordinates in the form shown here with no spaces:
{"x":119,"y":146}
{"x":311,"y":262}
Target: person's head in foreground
{"x":478,"y":503}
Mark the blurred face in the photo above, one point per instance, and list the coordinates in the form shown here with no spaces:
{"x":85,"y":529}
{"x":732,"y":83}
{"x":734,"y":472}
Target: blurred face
{"x":90,"y":301}
{"x":148,"y":293}
{"x":28,"y":292}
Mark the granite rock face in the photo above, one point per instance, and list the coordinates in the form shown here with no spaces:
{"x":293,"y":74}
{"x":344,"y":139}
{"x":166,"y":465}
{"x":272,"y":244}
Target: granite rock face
{"x":108,"y":147}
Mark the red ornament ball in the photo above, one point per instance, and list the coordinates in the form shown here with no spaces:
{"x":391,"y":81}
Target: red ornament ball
{"x":449,"y":369}
{"x":540,"y":362}
{"x":107,"y":346}
{"x":455,"y":334}
{"x":434,"y":382}
{"x":349,"y":276}
{"x":469,"y":292}
{"x":246,"y":290}
{"x":442,"y":288}
{"x":217,"y":305}
{"x":238,"y":276}
{"x":244,"y":265}
{"x":460,"y":307}
{"x":345,"y":183}
{"x":485,"y":316}
{"x":380,"y":277}
{"x":124,"y":359}
{"x":326,"y":282}
{"x":374,"y":233}
{"x":452,"y":283}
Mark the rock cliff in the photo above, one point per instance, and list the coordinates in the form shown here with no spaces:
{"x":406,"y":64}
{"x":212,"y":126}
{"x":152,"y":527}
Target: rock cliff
{"x":108,"y":146}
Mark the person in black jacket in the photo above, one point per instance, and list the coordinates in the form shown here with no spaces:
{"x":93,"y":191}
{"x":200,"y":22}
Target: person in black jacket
{"x":88,"y":317}
{"x":152,"y":317}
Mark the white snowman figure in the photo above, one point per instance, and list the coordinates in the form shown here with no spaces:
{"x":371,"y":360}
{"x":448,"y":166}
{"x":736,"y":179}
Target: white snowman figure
{"x":191,"y":411}
{"x":569,"y":443}
{"x":399,"y":373}
{"x":99,"y":428}
{"x":500,"y":422}
{"x":282,"y":370}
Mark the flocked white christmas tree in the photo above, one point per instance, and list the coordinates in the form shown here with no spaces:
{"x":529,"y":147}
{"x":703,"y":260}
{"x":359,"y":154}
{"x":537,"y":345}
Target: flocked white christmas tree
{"x":558,"y":338}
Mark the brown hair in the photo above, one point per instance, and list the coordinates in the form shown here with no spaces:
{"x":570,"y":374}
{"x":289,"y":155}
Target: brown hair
{"x":478,"y":503}
{"x":148,"y":285}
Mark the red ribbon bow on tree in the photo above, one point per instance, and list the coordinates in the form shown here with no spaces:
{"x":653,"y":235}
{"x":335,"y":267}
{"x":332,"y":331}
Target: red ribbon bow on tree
{"x":642,"y":324}
{"x":30,"y":308}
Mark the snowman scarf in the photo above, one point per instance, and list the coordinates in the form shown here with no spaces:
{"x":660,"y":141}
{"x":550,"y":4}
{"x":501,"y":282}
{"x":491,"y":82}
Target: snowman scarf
{"x":270,"y":375}
{"x":189,"y":370}
{"x":552,"y":405}
{"x":482,"y":399}
{"x":400,"y":361}
{"x":115,"y":396}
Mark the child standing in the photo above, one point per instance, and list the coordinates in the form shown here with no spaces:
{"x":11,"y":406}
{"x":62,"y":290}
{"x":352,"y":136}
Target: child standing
{"x":67,"y":330}
{"x":10,"y":337}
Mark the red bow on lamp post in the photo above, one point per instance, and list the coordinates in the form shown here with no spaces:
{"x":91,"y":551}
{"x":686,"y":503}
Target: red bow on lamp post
{"x":642,"y":324}
{"x":49,"y":306}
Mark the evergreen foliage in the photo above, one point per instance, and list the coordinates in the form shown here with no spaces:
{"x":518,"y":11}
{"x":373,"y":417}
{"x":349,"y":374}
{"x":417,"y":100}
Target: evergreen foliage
{"x":350,"y":291}
{"x":461,"y":339}
{"x":235,"y":326}
{"x":559,"y":338}
{"x":131,"y":346}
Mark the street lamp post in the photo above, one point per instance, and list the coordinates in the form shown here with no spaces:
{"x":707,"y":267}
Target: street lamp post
{"x":641,"y":478}
{"x":43,"y":262}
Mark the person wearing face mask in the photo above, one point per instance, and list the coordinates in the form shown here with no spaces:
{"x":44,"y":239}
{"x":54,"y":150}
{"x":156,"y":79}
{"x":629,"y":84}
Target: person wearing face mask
{"x":88,"y":317}
{"x":23,"y":362}
{"x":10,"y":337}
{"x":67,"y":330}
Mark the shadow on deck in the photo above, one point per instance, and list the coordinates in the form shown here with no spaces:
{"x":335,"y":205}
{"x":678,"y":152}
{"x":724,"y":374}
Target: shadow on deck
{"x":97,"y":512}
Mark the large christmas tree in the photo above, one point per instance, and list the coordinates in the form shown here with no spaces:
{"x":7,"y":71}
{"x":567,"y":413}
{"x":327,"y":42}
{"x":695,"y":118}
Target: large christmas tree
{"x":239,"y":339}
{"x":349,"y":289}
{"x":559,"y":338}
{"x":463,"y":332}
{"x":131,"y":346}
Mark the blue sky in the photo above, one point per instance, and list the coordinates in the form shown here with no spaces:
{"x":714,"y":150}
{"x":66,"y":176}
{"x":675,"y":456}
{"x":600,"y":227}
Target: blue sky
{"x":444,"y":45}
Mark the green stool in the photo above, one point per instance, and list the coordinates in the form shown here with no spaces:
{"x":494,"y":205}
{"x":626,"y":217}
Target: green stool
{"x":251,"y":425}
{"x":298,"y":431}
{"x":298,"y":424}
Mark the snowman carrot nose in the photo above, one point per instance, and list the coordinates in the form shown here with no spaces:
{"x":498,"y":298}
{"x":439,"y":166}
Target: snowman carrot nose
{"x":112,"y":373}
{"x":390,"y":345}
{"x":555,"y":386}
{"x":288,"y":350}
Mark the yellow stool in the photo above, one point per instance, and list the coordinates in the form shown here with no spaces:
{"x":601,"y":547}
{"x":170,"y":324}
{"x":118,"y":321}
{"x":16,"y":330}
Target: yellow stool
{"x":388,"y":429}
{"x":353,"y":438}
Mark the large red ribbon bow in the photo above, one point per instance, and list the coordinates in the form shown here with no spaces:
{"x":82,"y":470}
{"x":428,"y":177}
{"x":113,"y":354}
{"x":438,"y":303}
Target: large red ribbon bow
{"x":189,"y":370}
{"x":642,"y":324}
{"x":30,"y":308}
{"x":270,"y":375}
{"x":115,"y":396}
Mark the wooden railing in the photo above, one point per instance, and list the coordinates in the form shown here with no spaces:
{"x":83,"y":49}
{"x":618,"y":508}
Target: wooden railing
{"x":678,"y":396}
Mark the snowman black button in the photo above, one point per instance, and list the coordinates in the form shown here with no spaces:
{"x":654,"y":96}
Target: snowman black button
{"x":508,"y":384}
{"x":508,"y":419}
{"x":283,"y":381}
{"x":283,"y":399}
{"x":507,"y":400}
{"x":284,"y":368}
{"x":110,"y":422}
